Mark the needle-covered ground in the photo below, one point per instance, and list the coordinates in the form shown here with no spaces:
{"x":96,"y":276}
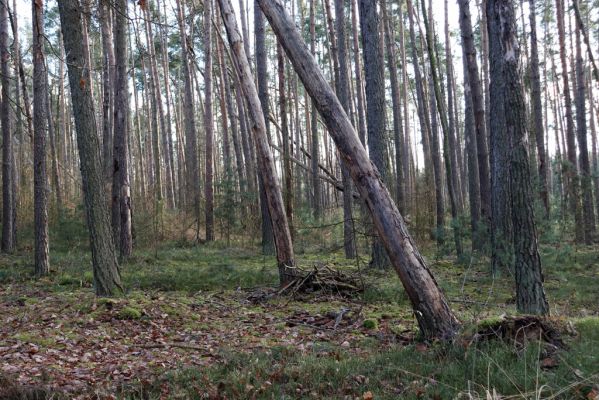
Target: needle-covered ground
{"x":196,"y":322}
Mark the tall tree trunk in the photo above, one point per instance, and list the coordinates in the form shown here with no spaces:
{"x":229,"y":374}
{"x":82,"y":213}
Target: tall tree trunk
{"x":121,"y":189}
{"x":287,"y":173}
{"x":471,"y":150}
{"x":431,"y":309}
{"x":395,"y":98}
{"x":282,"y":234}
{"x":478,"y":105}
{"x":40,"y":95}
{"x":191,"y":140}
{"x":375,"y":105}
{"x":501,"y":223}
{"x":268,"y":241}
{"x":106,"y":269}
{"x":349,"y":245}
{"x":208,"y":124}
{"x":8,"y":194}
{"x":315,"y":150}
{"x":446,"y":132}
{"x":107,"y":87}
{"x":358,"y":72}
{"x":581,"y":125}
{"x":537,"y":109}
{"x":571,"y":167}
{"x":530,"y":296}
{"x":422,"y":105}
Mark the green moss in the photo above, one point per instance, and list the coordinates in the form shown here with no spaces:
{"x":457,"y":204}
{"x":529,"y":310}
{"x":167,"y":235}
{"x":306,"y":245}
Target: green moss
{"x":370,"y":324}
{"x":129,"y":313}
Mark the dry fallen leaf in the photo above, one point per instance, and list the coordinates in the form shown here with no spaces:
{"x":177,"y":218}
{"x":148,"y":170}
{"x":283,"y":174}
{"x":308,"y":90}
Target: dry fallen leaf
{"x":368,"y":396}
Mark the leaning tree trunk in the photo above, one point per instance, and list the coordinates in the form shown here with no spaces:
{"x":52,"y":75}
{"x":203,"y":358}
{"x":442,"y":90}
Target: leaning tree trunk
{"x":530,"y":296}
{"x":121,"y":189}
{"x":272,"y":190}
{"x":431,"y":309}
{"x":8,"y":195}
{"x":40,"y":179}
{"x":106,"y":269}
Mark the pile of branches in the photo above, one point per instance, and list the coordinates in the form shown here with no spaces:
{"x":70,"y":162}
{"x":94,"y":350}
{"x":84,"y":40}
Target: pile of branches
{"x":520,"y":330}
{"x":322,"y":278}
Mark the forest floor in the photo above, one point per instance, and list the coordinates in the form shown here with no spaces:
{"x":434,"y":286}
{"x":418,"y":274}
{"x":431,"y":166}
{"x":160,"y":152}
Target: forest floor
{"x":195,"y":323}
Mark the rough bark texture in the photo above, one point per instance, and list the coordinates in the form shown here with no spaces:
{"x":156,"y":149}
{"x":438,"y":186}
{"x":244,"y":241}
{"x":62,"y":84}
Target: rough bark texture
{"x":375,"y":104}
{"x":343,"y":94}
{"x":268,"y":243}
{"x":40,"y":180}
{"x":106,"y":269}
{"x":478,"y":105}
{"x":431,"y":309}
{"x":395,"y":99}
{"x":8,"y":194}
{"x":446,"y":132}
{"x":191,"y":139}
{"x":208,"y":123}
{"x":287,"y":173}
{"x":537,"y":109}
{"x":282,"y":234}
{"x":530,"y":296}
{"x":107,"y":86}
{"x":581,"y":128}
{"x":121,"y":189}
{"x":315,"y":149}
{"x":471,"y":150}
{"x":571,"y":167}
{"x":501,"y":223}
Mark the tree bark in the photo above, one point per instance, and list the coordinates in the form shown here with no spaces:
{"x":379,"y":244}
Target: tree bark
{"x":268,"y":241}
{"x":446,"y":133}
{"x":431,"y":309}
{"x":121,"y":189}
{"x":478,"y":104}
{"x":349,"y":245}
{"x":571,"y":167}
{"x":530,"y":296}
{"x":8,"y":194}
{"x":375,"y":105}
{"x":191,"y":140}
{"x":208,"y":123}
{"x":40,"y":95}
{"x":282,"y":234}
{"x":581,"y":129}
{"x":107,"y":278}
{"x":537,"y":109}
